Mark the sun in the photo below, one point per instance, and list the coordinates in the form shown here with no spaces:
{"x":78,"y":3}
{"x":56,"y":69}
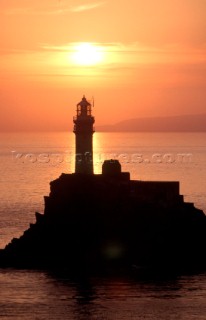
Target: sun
{"x":87,"y":54}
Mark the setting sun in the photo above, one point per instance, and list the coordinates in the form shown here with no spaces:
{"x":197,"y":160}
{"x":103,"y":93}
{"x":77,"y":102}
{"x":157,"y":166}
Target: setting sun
{"x":87,"y":54}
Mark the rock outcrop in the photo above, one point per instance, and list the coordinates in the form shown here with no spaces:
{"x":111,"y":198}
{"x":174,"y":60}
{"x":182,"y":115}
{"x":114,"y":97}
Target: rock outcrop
{"x":93,"y":222}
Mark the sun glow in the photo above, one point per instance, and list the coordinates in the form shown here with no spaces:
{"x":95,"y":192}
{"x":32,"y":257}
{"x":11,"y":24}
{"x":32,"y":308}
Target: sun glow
{"x":87,"y":54}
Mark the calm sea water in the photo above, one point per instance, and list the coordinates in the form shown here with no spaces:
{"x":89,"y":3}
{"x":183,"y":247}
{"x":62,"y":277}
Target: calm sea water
{"x":28,"y":162}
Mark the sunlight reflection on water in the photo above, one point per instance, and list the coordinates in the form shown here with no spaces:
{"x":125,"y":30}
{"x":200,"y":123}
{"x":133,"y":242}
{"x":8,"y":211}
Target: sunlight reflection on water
{"x":40,"y":295}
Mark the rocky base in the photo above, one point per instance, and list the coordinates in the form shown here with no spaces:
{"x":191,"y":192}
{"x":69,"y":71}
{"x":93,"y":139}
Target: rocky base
{"x":84,"y":229}
{"x":114,"y":236}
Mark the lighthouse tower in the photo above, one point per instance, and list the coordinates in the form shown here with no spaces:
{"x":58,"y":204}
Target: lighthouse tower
{"x":83,"y":129}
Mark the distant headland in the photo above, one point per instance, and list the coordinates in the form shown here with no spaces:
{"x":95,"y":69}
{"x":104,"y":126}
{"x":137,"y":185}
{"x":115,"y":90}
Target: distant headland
{"x":98,"y":222}
{"x":181,"y":123}
{"x":184,"y":123}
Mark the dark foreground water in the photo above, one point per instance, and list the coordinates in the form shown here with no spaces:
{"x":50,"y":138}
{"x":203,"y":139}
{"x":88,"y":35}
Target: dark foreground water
{"x":41,"y":296}
{"x":28,"y":162}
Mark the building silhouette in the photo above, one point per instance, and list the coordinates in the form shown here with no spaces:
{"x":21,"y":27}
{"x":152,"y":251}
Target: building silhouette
{"x":83,"y":129}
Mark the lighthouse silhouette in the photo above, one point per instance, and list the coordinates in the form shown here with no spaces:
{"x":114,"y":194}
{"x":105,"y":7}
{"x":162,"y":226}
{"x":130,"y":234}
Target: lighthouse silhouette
{"x":83,"y":129}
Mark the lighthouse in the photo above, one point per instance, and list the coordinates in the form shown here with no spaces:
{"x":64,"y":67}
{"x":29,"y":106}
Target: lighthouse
{"x":83,"y":129}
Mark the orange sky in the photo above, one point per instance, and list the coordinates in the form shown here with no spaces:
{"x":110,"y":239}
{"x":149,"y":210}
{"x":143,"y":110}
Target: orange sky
{"x":153,"y":60}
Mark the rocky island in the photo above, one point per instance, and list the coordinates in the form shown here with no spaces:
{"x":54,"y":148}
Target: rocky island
{"x":102,"y":221}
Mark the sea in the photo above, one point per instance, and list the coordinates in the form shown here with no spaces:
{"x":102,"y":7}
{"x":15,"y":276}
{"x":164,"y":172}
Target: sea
{"x":29,"y":161}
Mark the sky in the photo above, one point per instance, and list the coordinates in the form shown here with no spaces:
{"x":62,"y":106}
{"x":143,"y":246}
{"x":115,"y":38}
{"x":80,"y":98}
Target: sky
{"x":134,"y":58}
